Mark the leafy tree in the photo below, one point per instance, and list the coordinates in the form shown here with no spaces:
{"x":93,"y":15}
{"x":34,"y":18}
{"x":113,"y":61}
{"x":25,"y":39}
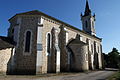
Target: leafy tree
{"x":113,"y":58}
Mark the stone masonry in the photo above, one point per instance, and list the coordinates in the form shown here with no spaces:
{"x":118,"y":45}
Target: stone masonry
{"x":53,"y":45}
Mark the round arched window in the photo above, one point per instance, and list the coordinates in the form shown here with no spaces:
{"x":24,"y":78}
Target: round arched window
{"x":27,"y":42}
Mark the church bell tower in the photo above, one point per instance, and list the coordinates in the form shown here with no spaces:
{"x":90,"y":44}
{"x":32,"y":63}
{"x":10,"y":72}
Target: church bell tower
{"x":88,"y":20}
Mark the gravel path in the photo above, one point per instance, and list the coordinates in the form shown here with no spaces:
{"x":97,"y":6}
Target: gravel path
{"x":95,"y":75}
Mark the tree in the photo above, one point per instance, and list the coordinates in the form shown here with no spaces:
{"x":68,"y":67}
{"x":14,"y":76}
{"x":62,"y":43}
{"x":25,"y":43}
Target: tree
{"x":113,"y":58}
{"x":105,"y":60}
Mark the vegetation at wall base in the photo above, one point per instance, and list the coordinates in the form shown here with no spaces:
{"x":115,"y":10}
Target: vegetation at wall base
{"x":116,"y":76}
{"x":112,"y":59}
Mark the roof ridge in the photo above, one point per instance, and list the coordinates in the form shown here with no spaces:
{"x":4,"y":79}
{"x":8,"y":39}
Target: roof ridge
{"x":46,"y":15}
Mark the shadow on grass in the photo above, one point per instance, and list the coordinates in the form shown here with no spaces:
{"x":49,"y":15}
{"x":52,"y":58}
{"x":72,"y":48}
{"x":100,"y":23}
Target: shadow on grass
{"x":116,"y":76}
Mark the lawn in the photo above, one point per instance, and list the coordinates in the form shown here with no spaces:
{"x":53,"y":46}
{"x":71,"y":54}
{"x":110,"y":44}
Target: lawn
{"x":116,"y":76}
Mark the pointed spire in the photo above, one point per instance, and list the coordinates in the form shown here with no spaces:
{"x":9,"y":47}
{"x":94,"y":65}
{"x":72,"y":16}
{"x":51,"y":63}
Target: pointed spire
{"x":87,"y":9}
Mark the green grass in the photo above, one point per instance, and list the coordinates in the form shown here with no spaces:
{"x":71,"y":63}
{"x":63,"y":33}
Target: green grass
{"x":116,"y":76}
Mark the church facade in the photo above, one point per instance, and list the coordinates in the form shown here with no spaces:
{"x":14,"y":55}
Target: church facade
{"x":44,"y":44}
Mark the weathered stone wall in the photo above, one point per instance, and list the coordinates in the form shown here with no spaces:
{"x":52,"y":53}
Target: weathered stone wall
{"x":5,"y":55}
{"x":26,"y":62}
{"x":63,"y":50}
{"x":13,"y":23}
{"x":79,"y":56}
{"x":48,"y":24}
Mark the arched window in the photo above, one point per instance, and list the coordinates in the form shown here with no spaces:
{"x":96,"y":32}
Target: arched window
{"x":86,"y":24}
{"x":48,"y":42}
{"x":27,"y":41}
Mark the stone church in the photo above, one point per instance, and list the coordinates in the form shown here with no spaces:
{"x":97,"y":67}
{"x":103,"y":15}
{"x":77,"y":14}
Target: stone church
{"x":44,"y":44}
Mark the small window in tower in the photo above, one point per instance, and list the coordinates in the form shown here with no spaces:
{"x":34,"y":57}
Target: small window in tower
{"x":86,"y":24}
{"x":92,"y":23}
{"x":27,"y":42}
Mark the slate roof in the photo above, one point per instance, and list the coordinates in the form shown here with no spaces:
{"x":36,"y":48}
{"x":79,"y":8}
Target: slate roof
{"x":6,"y":42}
{"x":36,"y":12}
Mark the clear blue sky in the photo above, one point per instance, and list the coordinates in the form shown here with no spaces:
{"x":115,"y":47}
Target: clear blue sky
{"x":107,"y":15}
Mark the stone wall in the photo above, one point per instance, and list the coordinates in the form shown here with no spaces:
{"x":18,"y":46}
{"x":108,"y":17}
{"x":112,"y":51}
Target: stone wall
{"x":47,"y":27}
{"x":5,"y":55}
{"x":13,"y":23}
{"x":25,"y":63}
{"x":79,"y":61}
{"x":48,"y":24}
